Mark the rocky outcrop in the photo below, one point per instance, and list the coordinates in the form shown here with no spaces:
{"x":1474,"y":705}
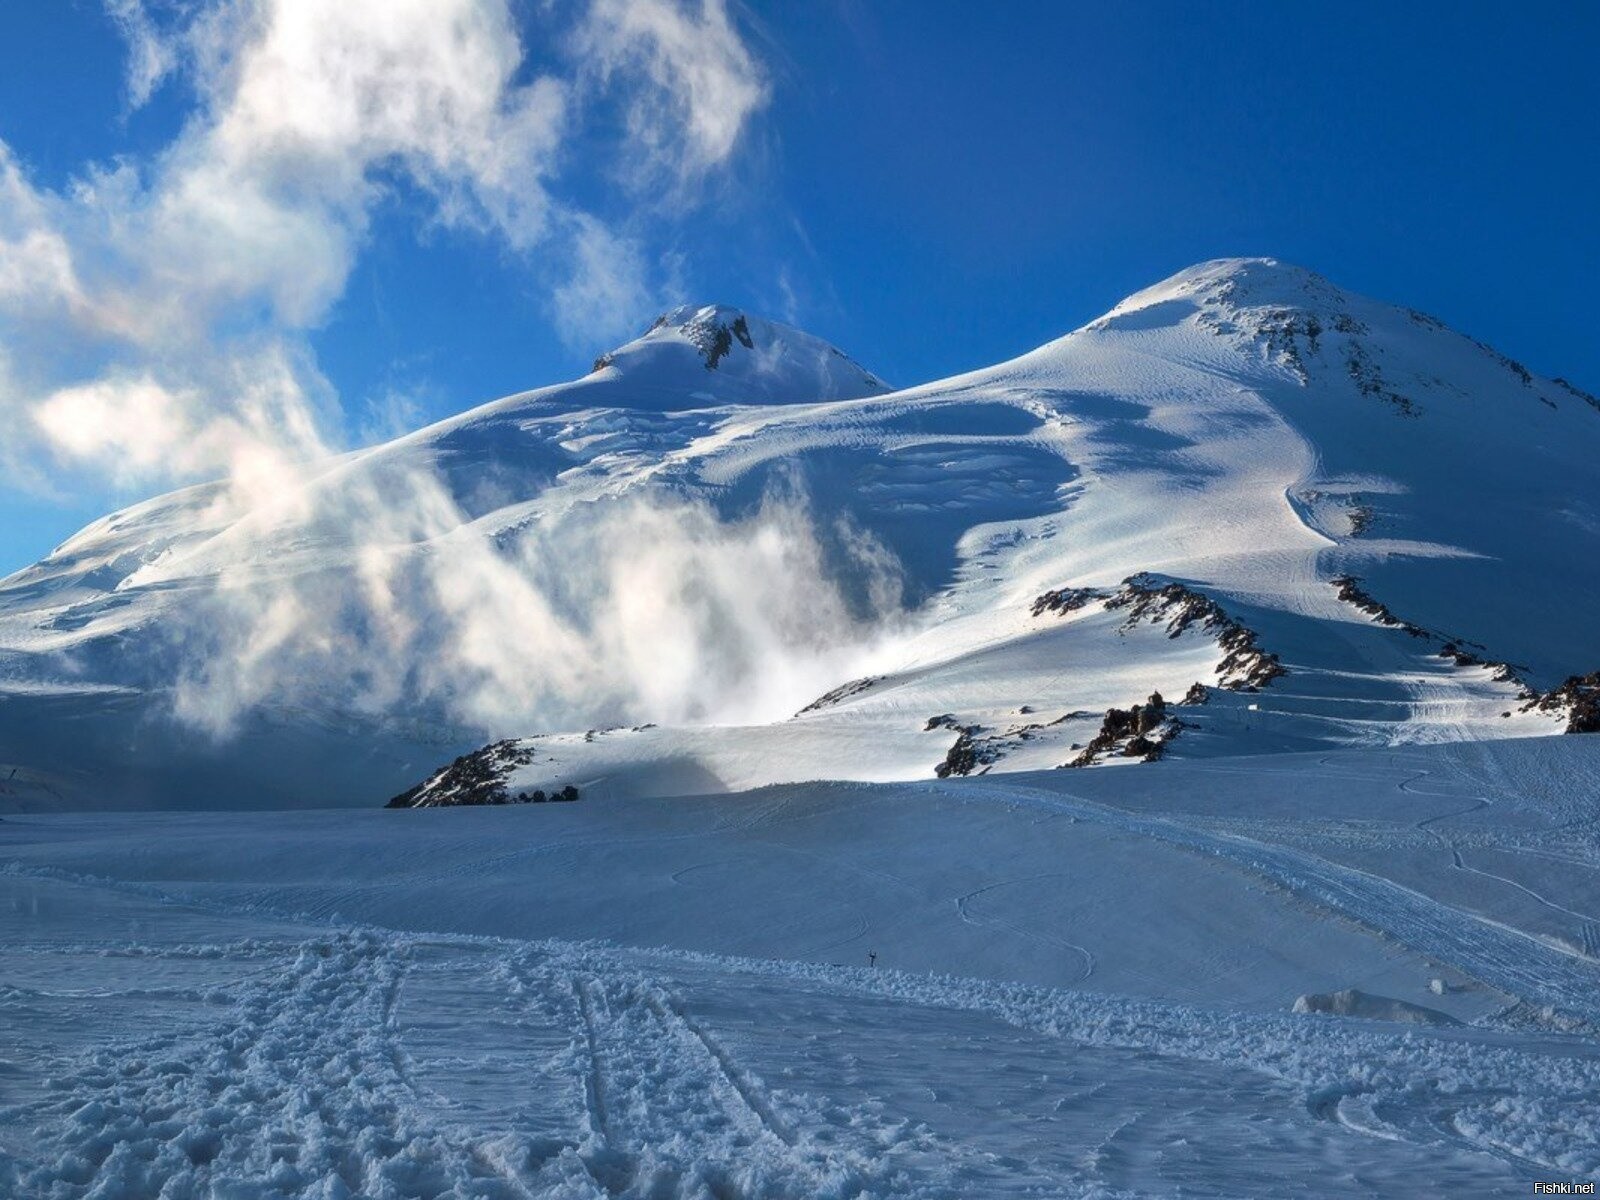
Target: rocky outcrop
{"x":975,"y":750}
{"x":962,"y":758}
{"x":1281,"y":329}
{"x":711,"y":334}
{"x":840,"y":694}
{"x":1352,"y":593}
{"x":1578,"y":698}
{"x":1140,"y":732}
{"x":1062,"y":601}
{"x":1502,"y":672}
{"x":1245,"y":666}
{"x":479,"y":778}
{"x":1588,"y":398}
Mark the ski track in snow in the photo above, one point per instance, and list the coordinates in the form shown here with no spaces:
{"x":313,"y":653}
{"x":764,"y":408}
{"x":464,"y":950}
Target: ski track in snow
{"x":305,"y":1086}
{"x":964,"y":906}
{"x":304,"y":1089}
{"x":1507,"y":958}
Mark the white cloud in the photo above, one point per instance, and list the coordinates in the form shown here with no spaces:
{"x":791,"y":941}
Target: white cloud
{"x":37,"y":276}
{"x":138,"y":429}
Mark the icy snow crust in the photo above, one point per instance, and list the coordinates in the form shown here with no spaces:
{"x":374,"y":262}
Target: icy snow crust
{"x":1244,"y":429}
{"x":1083,"y":984}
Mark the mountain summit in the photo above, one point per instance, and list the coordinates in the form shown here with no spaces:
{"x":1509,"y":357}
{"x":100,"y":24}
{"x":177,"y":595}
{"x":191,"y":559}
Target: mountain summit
{"x":1245,"y":512}
{"x":716,"y":354}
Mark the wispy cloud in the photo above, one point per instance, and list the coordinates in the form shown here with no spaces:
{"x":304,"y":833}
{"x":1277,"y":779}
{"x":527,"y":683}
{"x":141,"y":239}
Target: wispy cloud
{"x":607,"y":283}
{"x":151,"y":57}
{"x":689,"y":83}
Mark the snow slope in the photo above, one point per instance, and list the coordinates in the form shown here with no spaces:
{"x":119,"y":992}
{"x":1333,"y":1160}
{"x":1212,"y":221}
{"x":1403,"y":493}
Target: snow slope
{"x":723,"y":533}
{"x":1062,"y":984}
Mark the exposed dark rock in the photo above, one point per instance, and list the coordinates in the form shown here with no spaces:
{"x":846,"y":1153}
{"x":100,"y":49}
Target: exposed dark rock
{"x":1351,"y":592}
{"x":1510,"y":364}
{"x":538,"y":796}
{"x":1150,"y":714}
{"x":1245,"y":666}
{"x":1282,"y":328}
{"x":1142,"y":747}
{"x":1503,"y":672}
{"x":1139,"y":732}
{"x":1065,"y":600}
{"x":714,"y":338}
{"x":1198,"y":693}
{"x":476,"y":778}
{"x":1587,"y":398}
{"x":721,"y":343}
{"x":843,"y":692}
{"x":975,"y":749}
{"x":1578,"y":696}
{"x":601,"y":363}
{"x":962,"y":758}
{"x":1369,"y":380}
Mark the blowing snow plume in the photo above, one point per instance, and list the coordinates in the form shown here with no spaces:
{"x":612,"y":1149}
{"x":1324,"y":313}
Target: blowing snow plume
{"x":625,"y":610}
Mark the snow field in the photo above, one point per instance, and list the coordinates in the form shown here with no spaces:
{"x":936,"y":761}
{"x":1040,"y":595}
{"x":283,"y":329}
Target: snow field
{"x":1083,"y":987}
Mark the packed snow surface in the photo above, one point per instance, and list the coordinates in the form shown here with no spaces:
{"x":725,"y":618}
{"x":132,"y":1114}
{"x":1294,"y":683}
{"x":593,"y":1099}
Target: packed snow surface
{"x":1056,"y":984}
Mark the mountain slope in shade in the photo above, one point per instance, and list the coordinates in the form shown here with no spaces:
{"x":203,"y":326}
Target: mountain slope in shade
{"x":1247,"y":510}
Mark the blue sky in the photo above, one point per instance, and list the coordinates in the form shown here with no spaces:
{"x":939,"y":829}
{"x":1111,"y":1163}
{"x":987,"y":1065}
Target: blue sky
{"x":933,"y":187}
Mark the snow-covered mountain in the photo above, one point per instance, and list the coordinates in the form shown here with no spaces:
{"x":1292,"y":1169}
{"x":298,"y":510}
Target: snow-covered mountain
{"x":1244,"y":512}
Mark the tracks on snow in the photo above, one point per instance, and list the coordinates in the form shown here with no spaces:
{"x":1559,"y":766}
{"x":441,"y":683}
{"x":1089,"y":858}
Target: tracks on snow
{"x":1512,"y":960}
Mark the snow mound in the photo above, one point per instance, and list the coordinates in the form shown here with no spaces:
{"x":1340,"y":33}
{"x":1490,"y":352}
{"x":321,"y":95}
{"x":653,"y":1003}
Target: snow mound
{"x":1353,"y":1003}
